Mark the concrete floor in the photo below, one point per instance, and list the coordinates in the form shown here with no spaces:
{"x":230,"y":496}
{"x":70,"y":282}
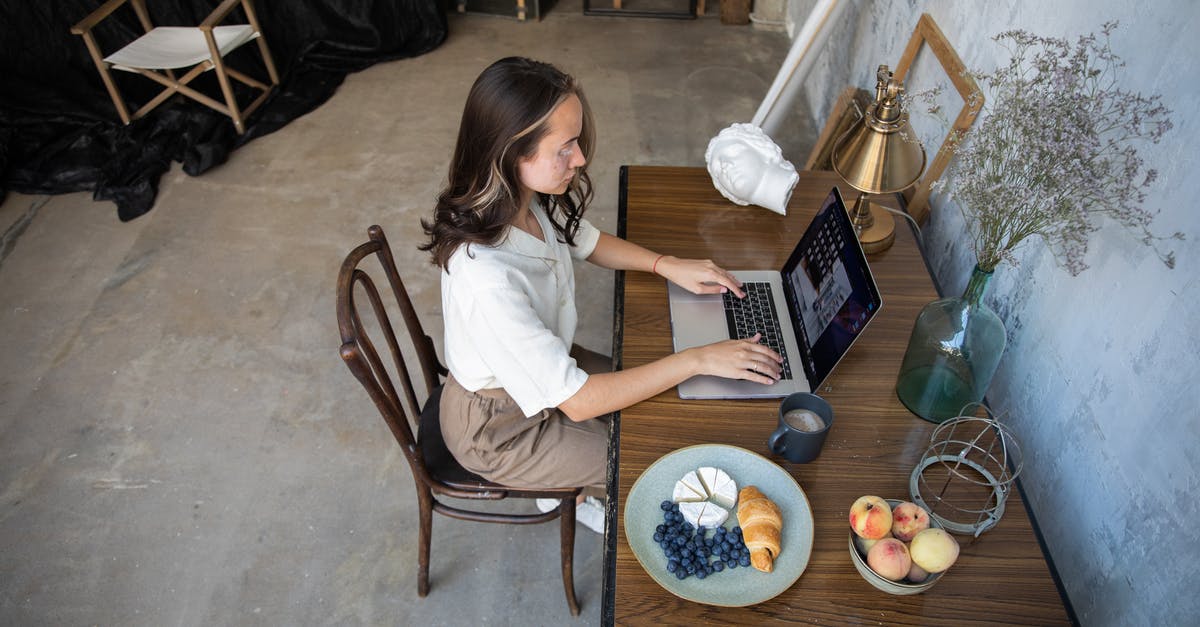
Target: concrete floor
{"x":179,"y":442}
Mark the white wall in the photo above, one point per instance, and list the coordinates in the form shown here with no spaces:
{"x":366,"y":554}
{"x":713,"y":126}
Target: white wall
{"x":1100,"y":377}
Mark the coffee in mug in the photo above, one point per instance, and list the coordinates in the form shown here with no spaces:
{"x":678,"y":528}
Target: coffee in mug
{"x":804,"y":420}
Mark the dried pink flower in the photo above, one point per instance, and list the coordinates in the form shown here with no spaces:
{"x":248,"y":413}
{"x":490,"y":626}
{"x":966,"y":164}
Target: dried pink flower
{"x":1057,"y":150}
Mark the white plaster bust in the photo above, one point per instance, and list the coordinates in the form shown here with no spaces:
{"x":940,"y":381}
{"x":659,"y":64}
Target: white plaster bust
{"x":748,"y":168}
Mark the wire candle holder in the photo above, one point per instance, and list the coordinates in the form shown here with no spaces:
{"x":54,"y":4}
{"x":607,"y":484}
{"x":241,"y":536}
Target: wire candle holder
{"x":967,"y":472}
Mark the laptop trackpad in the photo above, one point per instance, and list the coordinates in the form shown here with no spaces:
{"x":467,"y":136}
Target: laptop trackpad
{"x":698,"y":321}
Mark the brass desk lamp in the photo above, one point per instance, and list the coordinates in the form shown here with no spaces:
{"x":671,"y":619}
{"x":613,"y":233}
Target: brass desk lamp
{"x":880,"y":154}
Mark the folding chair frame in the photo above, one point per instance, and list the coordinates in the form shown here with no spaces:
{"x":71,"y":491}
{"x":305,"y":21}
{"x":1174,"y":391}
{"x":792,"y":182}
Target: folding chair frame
{"x":167,"y":79}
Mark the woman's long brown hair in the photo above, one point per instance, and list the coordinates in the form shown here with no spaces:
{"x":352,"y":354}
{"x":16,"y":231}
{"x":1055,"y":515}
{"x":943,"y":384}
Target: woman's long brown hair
{"x":503,"y":120}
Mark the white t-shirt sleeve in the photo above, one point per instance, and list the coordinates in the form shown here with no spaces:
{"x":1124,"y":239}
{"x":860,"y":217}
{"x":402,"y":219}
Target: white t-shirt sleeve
{"x":532,"y":364}
{"x":585,"y":240}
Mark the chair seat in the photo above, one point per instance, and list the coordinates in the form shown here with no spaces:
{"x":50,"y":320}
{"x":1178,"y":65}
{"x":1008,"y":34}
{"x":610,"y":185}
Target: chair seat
{"x":173,"y":47}
{"x":438,"y":459}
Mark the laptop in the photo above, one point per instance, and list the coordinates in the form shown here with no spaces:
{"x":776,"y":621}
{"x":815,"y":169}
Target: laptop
{"x":810,"y":312}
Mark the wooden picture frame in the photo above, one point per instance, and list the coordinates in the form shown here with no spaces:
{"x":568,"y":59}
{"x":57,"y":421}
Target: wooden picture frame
{"x":845,"y":113}
{"x":927,"y":32}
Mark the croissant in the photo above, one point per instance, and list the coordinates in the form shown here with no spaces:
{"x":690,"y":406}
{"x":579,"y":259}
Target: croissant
{"x":761,"y":524}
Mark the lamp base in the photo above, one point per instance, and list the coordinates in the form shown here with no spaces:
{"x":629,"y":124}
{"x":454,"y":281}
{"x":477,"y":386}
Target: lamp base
{"x":875,"y":226}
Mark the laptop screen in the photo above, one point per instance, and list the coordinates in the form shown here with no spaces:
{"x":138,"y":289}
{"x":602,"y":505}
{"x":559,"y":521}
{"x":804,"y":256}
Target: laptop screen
{"x":831,"y":293}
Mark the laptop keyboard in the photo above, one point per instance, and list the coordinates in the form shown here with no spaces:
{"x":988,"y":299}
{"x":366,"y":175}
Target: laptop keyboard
{"x":756,"y":314}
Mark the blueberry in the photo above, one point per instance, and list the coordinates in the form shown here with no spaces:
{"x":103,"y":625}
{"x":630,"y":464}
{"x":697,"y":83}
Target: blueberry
{"x":661,"y":529}
{"x":700,"y":531}
{"x":686,"y":552}
{"x":665,"y":505}
{"x":732,"y":563}
{"x":700,"y":574}
{"x":658,"y":536}
{"x":681,"y":574}
{"x":737,"y":530}
{"x":744,"y":560}
{"x":691,"y":569}
{"x":687,"y":527}
{"x":675,"y":507}
{"x":709,"y":543}
{"x":718,"y":566}
{"x":680,"y":541}
{"x":671,"y":566}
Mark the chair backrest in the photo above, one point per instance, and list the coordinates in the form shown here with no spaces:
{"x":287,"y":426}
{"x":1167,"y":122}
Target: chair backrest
{"x":360,"y":354}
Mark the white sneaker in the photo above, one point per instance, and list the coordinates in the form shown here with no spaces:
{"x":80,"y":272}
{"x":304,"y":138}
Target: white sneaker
{"x":591,"y":513}
{"x":546,"y":505}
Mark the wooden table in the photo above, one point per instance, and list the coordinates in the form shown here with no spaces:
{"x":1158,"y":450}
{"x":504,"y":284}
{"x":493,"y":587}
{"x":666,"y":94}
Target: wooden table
{"x":1001,"y":577}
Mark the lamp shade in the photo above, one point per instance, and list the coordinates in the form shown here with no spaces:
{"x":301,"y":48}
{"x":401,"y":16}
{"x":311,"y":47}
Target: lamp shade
{"x":880,"y":154}
{"x":878,"y":163}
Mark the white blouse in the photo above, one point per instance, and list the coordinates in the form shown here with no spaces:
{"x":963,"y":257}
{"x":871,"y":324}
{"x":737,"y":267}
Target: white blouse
{"x":510,"y":315}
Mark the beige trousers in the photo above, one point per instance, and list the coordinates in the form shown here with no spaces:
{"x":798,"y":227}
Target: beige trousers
{"x":489,"y":435}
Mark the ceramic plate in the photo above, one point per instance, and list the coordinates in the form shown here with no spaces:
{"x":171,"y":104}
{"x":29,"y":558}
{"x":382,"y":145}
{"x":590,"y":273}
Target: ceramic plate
{"x":732,"y":587}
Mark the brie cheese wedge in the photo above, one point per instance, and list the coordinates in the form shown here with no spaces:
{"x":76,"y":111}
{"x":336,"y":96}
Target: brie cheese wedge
{"x":692,"y":511}
{"x":704,"y":514}
{"x":684,"y":494}
{"x":708,"y":476}
{"x":694,"y":484}
{"x":724,"y":491}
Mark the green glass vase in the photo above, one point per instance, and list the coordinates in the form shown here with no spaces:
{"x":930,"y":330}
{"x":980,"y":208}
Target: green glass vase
{"x":952,"y":353}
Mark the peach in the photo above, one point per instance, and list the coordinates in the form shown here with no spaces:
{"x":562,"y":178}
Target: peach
{"x":889,"y":559}
{"x":916,"y":574}
{"x":908,"y":519}
{"x":870,"y":517}
{"x":864,"y":545}
{"x":934,"y":550}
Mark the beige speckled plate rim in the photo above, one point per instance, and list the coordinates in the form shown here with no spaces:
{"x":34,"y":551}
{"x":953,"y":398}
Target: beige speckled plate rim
{"x":664,"y":582}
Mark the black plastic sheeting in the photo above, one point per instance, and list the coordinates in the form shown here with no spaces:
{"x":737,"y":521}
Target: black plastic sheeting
{"x":59,"y":131}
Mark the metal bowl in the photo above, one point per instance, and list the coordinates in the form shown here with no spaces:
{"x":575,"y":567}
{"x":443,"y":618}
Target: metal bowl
{"x":859,"y":558}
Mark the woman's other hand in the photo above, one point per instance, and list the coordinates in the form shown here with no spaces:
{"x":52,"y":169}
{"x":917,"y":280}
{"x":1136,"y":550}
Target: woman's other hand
{"x":740,"y":359}
{"x":699,"y":276}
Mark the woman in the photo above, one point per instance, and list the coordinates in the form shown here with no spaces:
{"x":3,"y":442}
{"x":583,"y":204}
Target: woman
{"x":519,"y":407}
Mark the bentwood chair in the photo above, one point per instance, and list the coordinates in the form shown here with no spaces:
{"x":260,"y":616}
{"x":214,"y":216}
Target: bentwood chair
{"x":434,"y":468}
{"x":164,"y":49}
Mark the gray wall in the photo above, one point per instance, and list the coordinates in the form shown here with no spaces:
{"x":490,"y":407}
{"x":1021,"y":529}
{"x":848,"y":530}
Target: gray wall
{"x":1099,"y":379}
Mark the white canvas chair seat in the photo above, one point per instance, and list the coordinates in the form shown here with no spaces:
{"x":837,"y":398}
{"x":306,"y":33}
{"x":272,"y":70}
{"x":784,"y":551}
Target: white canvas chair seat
{"x":162,"y":50}
{"x":174,"y":47}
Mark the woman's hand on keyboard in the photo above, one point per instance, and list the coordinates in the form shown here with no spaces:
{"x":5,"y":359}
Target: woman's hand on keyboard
{"x":740,"y":359}
{"x":699,"y":276}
